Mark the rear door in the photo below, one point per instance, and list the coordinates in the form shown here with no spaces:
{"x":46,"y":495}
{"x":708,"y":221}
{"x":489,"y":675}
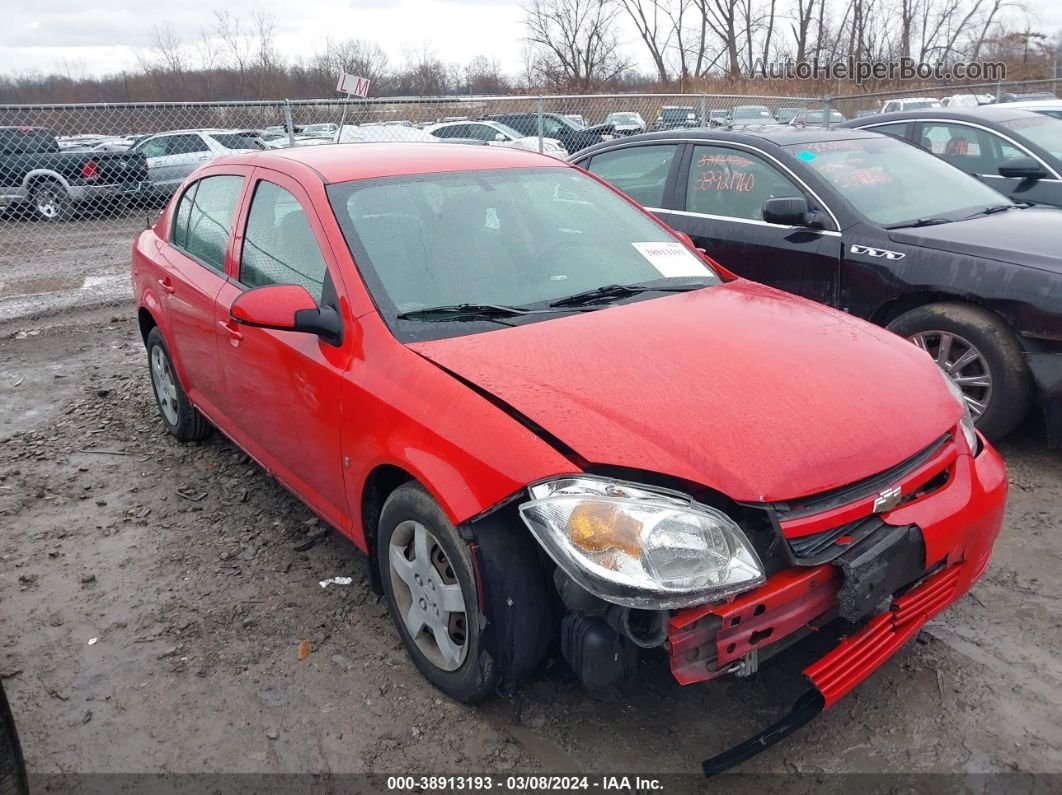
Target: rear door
{"x":192,"y":272}
{"x":284,"y":389}
{"x":718,"y":201}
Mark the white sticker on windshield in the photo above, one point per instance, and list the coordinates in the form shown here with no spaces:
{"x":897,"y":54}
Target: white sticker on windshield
{"x":672,"y":259}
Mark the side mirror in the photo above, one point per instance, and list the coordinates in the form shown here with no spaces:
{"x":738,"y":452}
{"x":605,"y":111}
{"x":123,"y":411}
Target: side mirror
{"x":788,"y":211}
{"x":1022,"y":168}
{"x":287,"y":307}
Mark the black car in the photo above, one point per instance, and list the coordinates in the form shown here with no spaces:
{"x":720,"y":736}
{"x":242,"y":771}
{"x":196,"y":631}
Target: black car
{"x":556,"y":126}
{"x":878,"y":228}
{"x":1015,"y":151}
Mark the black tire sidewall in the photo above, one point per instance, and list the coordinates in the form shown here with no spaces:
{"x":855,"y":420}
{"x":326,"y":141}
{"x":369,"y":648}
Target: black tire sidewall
{"x":1011,"y":383}
{"x":476,"y":679}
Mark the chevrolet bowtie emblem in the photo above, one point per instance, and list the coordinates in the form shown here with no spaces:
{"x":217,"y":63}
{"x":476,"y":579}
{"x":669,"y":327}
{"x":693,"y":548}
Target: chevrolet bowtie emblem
{"x":888,"y":500}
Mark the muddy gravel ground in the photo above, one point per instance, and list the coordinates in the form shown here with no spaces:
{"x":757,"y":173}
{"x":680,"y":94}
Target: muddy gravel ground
{"x":63,"y":266}
{"x":155,"y":596}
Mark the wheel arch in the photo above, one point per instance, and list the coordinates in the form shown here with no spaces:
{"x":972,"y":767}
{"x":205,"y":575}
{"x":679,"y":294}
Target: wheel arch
{"x":379,"y":484}
{"x":901,"y":305}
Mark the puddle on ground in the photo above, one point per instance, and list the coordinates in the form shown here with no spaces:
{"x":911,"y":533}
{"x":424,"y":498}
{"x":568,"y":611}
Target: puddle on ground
{"x":44,"y":284}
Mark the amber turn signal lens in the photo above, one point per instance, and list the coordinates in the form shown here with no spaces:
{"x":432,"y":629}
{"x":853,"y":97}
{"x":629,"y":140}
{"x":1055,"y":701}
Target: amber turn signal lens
{"x":594,"y":527}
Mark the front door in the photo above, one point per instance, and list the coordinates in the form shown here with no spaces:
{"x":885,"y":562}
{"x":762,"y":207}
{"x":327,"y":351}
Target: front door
{"x":284,"y":389}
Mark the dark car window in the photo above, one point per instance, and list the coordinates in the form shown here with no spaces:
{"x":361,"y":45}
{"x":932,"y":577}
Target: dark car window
{"x":237,"y":140}
{"x":153,"y":147}
{"x":901,"y":130}
{"x":639,"y":171}
{"x":733,"y":183}
{"x":21,"y":141}
{"x":513,"y":237}
{"x":185,"y":144}
{"x":204,"y":218}
{"x":971,"y":149}
{"x":279,"y":246}
{"x":452,"y":131}
{"x":893,"y":183}
{"x":552,"y":127}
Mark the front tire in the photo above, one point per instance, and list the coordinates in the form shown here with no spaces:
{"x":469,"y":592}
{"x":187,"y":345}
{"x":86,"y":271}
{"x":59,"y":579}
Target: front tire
{"x":181,"y":418}
{"x":431,"y":592}
{"x":981,"y":354}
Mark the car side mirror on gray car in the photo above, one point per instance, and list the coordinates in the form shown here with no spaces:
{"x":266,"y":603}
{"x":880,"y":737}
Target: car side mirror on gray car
{"x":788,"y":210}
{"x":1022,"y":167}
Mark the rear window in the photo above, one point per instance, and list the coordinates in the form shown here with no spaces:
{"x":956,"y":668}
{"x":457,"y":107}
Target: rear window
{"x":18,"y":141}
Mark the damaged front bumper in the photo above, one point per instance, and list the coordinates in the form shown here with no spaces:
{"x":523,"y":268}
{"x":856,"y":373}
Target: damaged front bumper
{"x":957,"y":526}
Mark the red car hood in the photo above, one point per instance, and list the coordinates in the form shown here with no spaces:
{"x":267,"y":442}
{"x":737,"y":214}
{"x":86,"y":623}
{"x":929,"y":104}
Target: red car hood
{"x":741,"y":388}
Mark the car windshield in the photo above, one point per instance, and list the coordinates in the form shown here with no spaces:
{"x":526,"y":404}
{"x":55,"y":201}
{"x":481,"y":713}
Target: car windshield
{"x":677,"y":114}
{"x":519,"y":237}
{"x":1044,"y":131}
{"x":623,"y":118}
{"x":919,"y":104}
{"x":752,"y":112}
{"x":893,"y":183}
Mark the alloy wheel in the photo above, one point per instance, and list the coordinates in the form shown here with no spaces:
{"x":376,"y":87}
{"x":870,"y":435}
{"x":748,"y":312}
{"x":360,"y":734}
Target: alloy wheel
{"x":963,"y":363}
{"x":428,"y":595}
{"x":165,"y":385}
{"x":48,"y":203}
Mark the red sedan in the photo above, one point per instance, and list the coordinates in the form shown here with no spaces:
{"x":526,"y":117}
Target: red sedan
{"x":554,"y":427}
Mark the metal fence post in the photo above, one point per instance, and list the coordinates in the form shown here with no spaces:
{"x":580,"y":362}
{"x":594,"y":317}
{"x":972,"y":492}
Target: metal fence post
{"x":288,"y":123}
{"x":826,"y":110}
{"x":704,"y":113}
{"x":540,"y":146}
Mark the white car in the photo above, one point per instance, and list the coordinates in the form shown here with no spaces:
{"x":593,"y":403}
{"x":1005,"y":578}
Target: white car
{"x":173,"y":155}
{"x":494,"y":133}
{"x":1045,"y":107}
{"x":910,"y":103}
{"x":966,"y":100}
{"x":320,"y":129}
{"x":626,"y":122}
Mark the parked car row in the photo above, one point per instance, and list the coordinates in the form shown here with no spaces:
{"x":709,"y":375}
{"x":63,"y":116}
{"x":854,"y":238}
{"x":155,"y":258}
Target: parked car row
{"x":641,"y":454}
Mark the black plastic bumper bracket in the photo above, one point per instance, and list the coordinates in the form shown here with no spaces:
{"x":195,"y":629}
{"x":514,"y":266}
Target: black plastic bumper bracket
{"x":806,"y":709}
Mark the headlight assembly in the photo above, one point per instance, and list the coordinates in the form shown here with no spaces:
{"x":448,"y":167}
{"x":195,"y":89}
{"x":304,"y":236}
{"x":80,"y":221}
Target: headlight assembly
{"x":967,"y":421}
{"x":638,"y":547}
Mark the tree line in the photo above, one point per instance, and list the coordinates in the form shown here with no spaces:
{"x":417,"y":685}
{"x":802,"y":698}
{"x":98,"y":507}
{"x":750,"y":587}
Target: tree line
{"x":571,"y":46}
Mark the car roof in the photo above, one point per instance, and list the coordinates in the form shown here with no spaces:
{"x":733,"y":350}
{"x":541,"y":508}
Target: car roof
{"x":1029,"y":104}
{"x":981,"y":113}
{"x":351,"y":161}
{"x":781,"y":135}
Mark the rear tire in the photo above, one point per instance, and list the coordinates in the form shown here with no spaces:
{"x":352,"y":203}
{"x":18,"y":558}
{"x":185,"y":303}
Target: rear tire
{"x":432,"y":595}
{"x":181,"y":418}
{"x":981,"y":354}
{"x":50,"y":201}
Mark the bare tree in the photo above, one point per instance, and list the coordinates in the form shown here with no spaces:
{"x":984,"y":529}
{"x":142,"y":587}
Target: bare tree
{"x":484,"y":75}
{"x":653,"y":19}
{"x":576,"y":42}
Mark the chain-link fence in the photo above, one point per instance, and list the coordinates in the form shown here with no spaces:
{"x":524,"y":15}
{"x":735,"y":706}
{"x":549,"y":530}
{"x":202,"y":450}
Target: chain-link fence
{"x":77,"y":182}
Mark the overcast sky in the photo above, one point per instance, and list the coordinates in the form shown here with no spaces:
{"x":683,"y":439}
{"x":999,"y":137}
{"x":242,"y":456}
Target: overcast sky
{"x":84,"y":37}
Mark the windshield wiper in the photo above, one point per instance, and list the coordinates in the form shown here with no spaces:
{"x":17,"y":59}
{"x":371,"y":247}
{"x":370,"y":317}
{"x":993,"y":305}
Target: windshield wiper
{"x":464,"y":312}
{"x":920,"y":222}
{"x":612,"y":291}
{"x":996,"y":208}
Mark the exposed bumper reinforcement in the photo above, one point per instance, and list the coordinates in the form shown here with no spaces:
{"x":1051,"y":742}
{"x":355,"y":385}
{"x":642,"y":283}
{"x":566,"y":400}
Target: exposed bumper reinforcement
{"x":850,"y":662}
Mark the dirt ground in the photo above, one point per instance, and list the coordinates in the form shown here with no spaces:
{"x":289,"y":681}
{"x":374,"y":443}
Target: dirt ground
{"x":153,"y":598}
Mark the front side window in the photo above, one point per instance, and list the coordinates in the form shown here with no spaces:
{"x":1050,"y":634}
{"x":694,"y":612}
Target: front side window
{"x":894,"y":184}
{"x":152,"y":147}
{"x":513,"y":237}
{"x":971,"y":149}
{"x":279,"y":246}
{"x":640,"y":172}
{"x":733,"y":183}
{"x":204,"y":218}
